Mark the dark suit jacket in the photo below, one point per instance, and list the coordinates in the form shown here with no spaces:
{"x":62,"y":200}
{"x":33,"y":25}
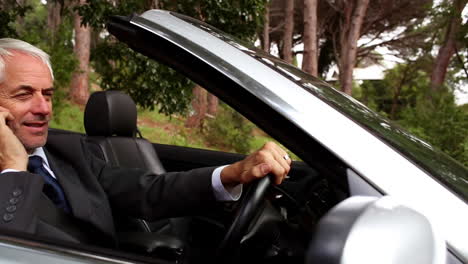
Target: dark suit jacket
{"x":94,"y":191}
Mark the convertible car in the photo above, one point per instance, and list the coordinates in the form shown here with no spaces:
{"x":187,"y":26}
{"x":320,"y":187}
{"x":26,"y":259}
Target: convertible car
{"x":365,"y":191}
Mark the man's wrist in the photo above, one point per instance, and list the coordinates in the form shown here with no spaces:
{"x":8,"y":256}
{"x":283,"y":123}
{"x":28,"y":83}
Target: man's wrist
{"x":222,"y":192}
{"x":229,"y":176}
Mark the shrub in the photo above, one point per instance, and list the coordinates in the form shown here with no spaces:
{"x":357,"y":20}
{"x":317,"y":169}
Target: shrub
{"x":229,"y":130}
{"x":440,"y":122}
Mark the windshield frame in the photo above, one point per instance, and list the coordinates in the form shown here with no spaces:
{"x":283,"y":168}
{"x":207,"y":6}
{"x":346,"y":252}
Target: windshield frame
{"x":436,"y":163}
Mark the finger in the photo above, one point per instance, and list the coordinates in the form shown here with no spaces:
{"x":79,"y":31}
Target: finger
{"x":283,"y":159}
{"x":259,"y":170}
{"x":277,"y":171}
{"x":280,"y":155}
{"x":4,"y":116}
{"x":7,"y":117}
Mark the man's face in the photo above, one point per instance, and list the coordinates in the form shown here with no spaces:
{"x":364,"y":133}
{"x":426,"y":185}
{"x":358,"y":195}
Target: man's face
{"x":26,"y":92}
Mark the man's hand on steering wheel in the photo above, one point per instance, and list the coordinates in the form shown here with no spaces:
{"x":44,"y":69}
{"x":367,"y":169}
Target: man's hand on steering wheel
{"x":270,"y":159}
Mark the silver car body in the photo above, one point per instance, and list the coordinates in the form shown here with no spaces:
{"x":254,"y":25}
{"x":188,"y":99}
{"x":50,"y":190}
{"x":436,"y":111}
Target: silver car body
{"x":375,"y":167}
{"x":374,"y":160}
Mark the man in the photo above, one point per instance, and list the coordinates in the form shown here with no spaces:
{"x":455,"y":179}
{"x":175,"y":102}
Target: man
{"x":68,"y":180}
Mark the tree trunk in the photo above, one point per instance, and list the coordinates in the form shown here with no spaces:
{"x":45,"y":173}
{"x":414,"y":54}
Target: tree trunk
{"x":213,"y":103}
{"x":309,"y":61}
{"x":53,"y":15}
{"x":152,"y":4}
{"x":199,"y":105}
{"x":79,"y":91}
{"x":355,"y":12}
{"x":202,"y":102}
{"x":448,"y":48}
{"x":288,"y":30}
{"x":266,"y":30}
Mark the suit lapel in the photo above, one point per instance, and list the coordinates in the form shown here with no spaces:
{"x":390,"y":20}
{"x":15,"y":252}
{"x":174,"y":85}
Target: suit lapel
{"x":70,"y":182}
{"x":85,"y":195}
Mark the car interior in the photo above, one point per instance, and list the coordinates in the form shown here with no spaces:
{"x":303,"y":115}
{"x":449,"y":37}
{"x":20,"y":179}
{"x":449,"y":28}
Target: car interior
{"x":279,"y":233}
{"x":278,"y":230}
{"x":290,"y":223}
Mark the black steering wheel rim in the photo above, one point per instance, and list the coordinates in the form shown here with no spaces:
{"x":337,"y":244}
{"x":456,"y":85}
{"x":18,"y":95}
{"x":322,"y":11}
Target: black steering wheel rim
{"x":248,"y":208}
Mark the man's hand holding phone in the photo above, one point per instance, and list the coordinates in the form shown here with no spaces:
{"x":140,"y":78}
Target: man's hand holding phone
{"x":12,"y":153}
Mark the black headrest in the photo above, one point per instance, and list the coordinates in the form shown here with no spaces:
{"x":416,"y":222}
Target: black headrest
{"x":110,"y":113}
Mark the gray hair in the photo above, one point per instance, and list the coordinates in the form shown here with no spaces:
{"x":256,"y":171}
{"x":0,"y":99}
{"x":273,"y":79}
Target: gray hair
{"x":8,"y":44}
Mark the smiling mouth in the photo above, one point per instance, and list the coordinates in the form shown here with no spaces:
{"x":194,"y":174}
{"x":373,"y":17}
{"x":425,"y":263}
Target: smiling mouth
{"x":36,"y":124}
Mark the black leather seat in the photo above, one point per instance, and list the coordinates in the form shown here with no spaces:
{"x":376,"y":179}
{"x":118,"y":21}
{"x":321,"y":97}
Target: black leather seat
{"x":110,"y":121}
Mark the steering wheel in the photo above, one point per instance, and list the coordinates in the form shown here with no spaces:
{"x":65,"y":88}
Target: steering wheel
{"x":248,"y":209}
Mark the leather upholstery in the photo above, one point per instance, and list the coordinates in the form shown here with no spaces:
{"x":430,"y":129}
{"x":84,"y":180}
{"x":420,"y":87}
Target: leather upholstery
{"x":111,"y":126}
{"x":110,"y":113}
{"x":128,"y":152}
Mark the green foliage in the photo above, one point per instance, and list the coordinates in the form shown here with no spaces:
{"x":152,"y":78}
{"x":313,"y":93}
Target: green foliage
{"x":432,"y":117}
{"x":241,"y":18}
{"x":441,"y":123}
{"x":150,"y":83}
{"x":9,"y":15}
{"x":464,"y":108}
{"x":230,"y":130}
{"x":97,"y":12}
{"x":400,"y":89}
{"x":375,"y":94}
{"x":147,"y":82}
{"x":58,"y":45}
{"x":69,"y":118}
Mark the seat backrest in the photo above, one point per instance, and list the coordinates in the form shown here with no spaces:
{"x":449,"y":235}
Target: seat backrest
{"x":110,"y":121}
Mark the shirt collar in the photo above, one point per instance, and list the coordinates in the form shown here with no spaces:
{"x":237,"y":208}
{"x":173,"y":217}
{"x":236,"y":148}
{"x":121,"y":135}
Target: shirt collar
{"x":41,"y":153}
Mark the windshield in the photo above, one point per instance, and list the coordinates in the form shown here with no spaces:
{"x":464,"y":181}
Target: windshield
{"x":435,"y":162}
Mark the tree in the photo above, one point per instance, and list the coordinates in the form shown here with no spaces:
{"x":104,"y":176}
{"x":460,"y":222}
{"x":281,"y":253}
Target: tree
{"x":350,"y":32}
{"x":199,"y":106}
{"x":310,"y":58}
{"x":441,"y":123}
{"x":288,"y":30}
{"x":277,"y":24}
{"x":449,"y":45}
{"x":54,"y":15}
{"x":241,"y":18}
{"x":79,"y":91}
{"x":346,"y":22}
{"x":266,"y":31}
{"x":10,"y":11}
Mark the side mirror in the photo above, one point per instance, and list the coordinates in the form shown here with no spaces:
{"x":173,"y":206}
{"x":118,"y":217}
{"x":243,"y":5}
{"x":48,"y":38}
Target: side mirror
{"x":375,"y":230}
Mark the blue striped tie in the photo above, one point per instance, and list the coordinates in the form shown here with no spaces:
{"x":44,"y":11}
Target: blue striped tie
{"x":51,"y":187}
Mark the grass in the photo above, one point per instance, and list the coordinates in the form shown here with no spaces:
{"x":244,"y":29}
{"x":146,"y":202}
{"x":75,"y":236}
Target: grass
{"x":163,"y":129}
{"x":69,"y":117}
{"x":155,"y":127}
